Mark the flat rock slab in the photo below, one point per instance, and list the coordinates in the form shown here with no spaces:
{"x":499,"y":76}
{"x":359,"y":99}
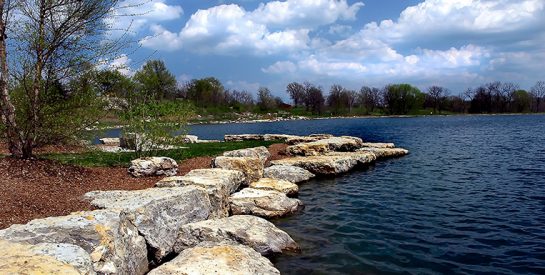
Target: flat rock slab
{"x":251,"y":167}
{"x":378,"y":145}
{"x":257,"y":233}
{"x":273,"y":137}
{"x":153,"y":166}
{"x":263,"y":203}
{"x":322,"y":146}
{"x":157,"y":213}
{"x":110,"y":238}
{"x":286,"y":187}
{"x":258,"y":152}
{"x":382,"y":153}
{"x":362,"y":157}
{"x":322,"y":165}
{"x":44,"y":258}
{"x":287,"y":172}
{"x":219,"y":183}
{"x":243,"y":137}
{"x":214,"y":258}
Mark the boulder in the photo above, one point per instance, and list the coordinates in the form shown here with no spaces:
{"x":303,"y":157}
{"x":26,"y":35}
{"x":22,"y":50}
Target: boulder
{"x":189,"y":139}
{"x":263,"y":203}
{"x":286,"y":172}
{"x":362,"y":157}
{"x":213,"y":258}
{"x":108,"y":236}
{"x":258,"y":152}
{"x":321,"y":136}
{"x":286,"y":187}
{"x":314,"y":148}
{"x":219,"y":183}
{"x":157,"y":213}
{"x":251,"y":167}
{"x":44,"y":258}
{"x":382,"y":153}
{"x":257,"y":233}
{"x":297,"y":140}
{"x":275,"y":137}
{"x":322,"y":146}
{"x":153,"y":166}
{"x":322,"y":165}
{"x":208,"y":141}
{"x":110,"y":141}
{"x":243,"y":137}
{"x":378,"y":145}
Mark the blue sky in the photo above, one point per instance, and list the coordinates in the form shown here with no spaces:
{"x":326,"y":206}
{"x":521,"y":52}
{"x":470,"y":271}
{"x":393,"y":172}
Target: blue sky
{"x":252,"y":43}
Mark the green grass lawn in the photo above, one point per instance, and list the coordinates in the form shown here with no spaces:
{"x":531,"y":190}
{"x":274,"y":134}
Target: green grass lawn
{"x":105,"y":159}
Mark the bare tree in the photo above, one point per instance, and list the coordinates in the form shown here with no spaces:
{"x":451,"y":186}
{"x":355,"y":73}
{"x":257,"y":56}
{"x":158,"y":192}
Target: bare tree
{"x":351,"y":99}
{"x":369,"y":98}
{"x":435,"y":95}
{"x":296,"y":92}
{"x":538,"y":92}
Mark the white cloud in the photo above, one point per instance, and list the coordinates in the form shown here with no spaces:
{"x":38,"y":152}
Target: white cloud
{"x":133,"y":15}
{"x":281,"y":67}
{"x":120,"y":64}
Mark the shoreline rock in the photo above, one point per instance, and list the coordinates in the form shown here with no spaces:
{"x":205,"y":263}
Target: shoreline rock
{"x":153,"y":166}
{"x":263,"y":203}
{"x":287,"y":172}
{"x":286,"y":187}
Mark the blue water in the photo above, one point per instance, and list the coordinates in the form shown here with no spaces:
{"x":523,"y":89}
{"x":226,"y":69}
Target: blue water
{"x":470,"y":198}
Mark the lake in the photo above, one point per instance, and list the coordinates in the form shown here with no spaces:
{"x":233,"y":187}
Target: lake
{"x":470,"y":198}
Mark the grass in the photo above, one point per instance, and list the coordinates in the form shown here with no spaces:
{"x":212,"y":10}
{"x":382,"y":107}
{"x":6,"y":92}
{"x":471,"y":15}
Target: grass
{"x":122,"y":159}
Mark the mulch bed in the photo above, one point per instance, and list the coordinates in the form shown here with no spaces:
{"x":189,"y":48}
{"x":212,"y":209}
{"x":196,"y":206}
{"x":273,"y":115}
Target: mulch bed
{"x":32,"y":189}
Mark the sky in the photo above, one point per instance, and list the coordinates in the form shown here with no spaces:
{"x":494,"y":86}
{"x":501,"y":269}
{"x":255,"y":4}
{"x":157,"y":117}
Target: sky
{"x":248,"y":44}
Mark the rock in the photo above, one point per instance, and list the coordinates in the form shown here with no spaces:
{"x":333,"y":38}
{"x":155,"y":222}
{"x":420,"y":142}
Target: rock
{"x":258,"y":152}
{"x":331,"y":164}
{"x":286,"y":172}
{"x":297,"y":140}
{"x":257,"y":233}
{"x":362,"y":157}
{"x":385,"y":152}
{"x":44,"y":258}
{"x":219,"y":183}
{"x":243,"y":137}
{"x":153,"y":166}
{"x":274,"y":137}
{"x":208,"y":141}
{"x":263,"y":203}
{"x":212,"y":258}
{"x":109,"y":237}
{"x":322,"y":146}
{"x":110,"y":141}
{"x":157,"y":213}
{"x":286,"y":187}
{"x":378,"y":145}
{"x":321,"y":136}
{"x":251,"y":167}
{"x":189,"y":139}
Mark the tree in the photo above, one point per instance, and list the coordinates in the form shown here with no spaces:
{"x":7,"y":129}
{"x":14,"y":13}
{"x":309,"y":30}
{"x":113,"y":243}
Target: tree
{"x":265,"y":101}
{"x":156,"y":80}
{"x":538,"y":92}
{"x":206,"y":92}
{"x":402,"y":98}
{"x":112,"y":83}
{"x":314,"y":99}
{"x":335,"y":98}
{"x":350,"y":96}
{"x":297,"y":93}
{"x":369,"y":98}
{"x":51,"y":43}
{"x":435,"y":95}
{"x":522,"y":101}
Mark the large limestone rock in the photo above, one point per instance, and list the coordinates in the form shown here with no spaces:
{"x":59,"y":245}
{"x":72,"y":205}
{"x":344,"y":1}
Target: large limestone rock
{"x":255,"y":232}
{"x":153,"y":166}
{"x":321,"y":136}
{"x":263,"y":203}
{"x":219,"y":184}
{"x":251,"y":167}
{"x":108,"y":236}
{"x":332,"y":163}
{"x":189,"y":139}
{"x":110,"y":141}
{"x":322,"y":146}
{"x":243,"y":137}
{"x":287,"y":172}
{"x":157,"y":213}
{"x":314,"y":148}
{"x":258,"y":152}
{"x":44,"y":258}
{"x":378,"y":145}
{"x":213,"y":258}
{"x":382,"y":153}
{"x":274,"y":137}
{"x":286,"y":187}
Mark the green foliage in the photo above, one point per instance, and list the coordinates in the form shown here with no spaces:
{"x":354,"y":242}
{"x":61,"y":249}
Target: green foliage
{"x":156,"y":81}
{"x":266,"y":102}
{"x":522,"y":101}
{"x":206,"y":92}
{"x":105,"y":159}
{"x":113,"y":84}
{"x":401,"y":99}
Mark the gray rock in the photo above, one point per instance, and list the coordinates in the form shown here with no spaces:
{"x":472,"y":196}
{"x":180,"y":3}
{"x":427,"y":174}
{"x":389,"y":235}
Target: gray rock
{"x":297,"y":140}
{"x":255,"y":232}
{"x":321,"y":136}
{"x":213,"y":258}
{"x":322,"y":146}
{"x":274,"y":137}
{"x":243,"y":137}
{"x":258,"y":152}
{"x":321,"y":165}
{"x":110,"y":238}
{"x":157,"y":213}
{"x":286,"y":172}
{"x":263,"y":203}
{"x":378,"y":145}
{"x":382,"y":153}
{"x":153,"y":166}
{"x":251,"y":167}
{"x":286,"y":187}
{"x":219,"y":184}
{"x":44,"y":258}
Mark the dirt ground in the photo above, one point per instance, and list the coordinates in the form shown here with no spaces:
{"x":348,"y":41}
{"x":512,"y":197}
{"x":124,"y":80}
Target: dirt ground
{"x":31,"y":189}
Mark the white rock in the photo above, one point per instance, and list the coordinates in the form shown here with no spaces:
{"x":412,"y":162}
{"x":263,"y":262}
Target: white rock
{"x":251,"y":167}
{"x":153,"y":166}
{"x":258,"y":152}
{"x":263,"y":203}
{"x":327,"y":164}
{"x":157,"y":213}
{"x":345,"y":144}
{"x":243,"y":137}
{"x":382,"y":153}
{"x":110,"y":238}
{"x":378,"y":145}
{"x":212,"y":258}
{"x":286,"y":187}
{"x":287,"y":172}
{"x":274,"y":137}
{"x":255,"y":232}
{"x":189,"y":139}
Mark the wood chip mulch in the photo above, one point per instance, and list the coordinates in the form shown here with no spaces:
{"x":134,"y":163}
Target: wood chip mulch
{"x":32,"y":189}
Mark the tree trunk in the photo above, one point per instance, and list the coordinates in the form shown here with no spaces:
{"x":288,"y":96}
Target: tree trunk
{"x":7,"y":107}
